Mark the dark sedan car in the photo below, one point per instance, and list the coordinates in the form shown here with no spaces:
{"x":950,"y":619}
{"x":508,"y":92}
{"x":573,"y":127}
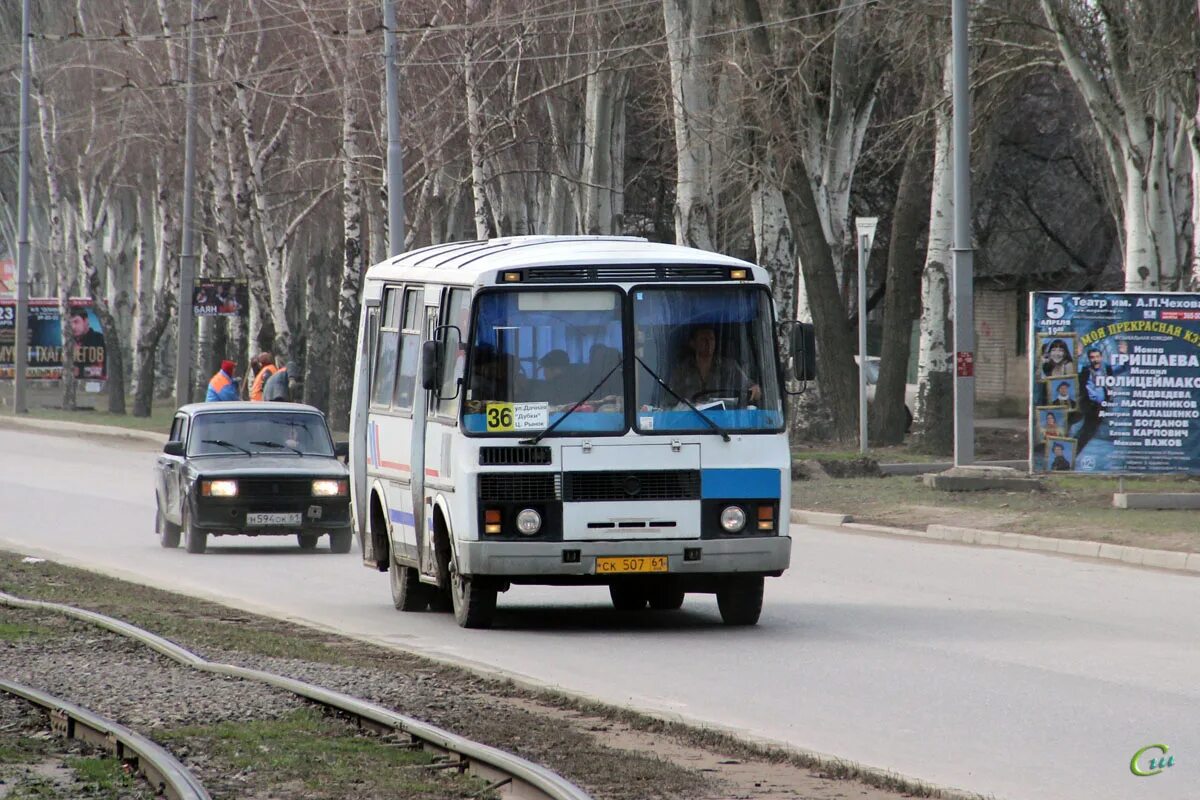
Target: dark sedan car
{"x":255,"y":469}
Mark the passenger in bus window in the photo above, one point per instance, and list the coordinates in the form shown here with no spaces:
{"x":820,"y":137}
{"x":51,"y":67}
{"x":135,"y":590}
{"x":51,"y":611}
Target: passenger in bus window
{"x":559,"y":384}
{"x":703,"y":375}
{"x":601,"y":360}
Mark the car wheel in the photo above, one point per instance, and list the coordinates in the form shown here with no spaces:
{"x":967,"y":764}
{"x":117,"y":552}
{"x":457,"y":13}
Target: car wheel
{"x":196,"y":540}
{"x":628,"y":596}
{"x":740,"y":599}
{"x":308,"y":541}
{"x":666,"y":598}
{"x":340,"y":541}
{"x":474,"y":599}
{"x":168,"y":534}
{"x":408,"y":593}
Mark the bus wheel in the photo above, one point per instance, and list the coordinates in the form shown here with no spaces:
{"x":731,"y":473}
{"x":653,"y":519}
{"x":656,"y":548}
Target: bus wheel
{"x":474,"y":599}
{"x":407,"y":592}
{"x":628,"y":596}
{"x":666,"y":598}
{"x":740,"y":599}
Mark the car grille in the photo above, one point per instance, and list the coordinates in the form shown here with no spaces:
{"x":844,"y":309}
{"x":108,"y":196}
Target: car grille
{"x":275,"y":487}
{"x":517,"y":487}
{"x":582,"y":487}
{"x":514,"y":456}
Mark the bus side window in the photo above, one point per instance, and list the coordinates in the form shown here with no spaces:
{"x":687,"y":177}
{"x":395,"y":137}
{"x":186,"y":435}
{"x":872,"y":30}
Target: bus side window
{"x":410,"y":347}
{"x":388,"y":345}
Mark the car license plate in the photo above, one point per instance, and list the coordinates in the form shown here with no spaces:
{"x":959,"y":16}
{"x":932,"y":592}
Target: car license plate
{"x":274,"y":519}
{"x":607,"y":565}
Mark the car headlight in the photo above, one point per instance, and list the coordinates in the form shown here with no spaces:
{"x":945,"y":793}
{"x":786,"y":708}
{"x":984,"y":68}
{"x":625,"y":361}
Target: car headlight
{"x":329,"y":488}
{"x":219,"y":488}
{"x":733,"y":519}
{"x":529,"y":522}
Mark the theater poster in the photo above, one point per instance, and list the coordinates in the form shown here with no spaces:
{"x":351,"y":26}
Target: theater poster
{"x":1115,"y":382}
{"x":45,"y":340}
{"x":220,"y":297}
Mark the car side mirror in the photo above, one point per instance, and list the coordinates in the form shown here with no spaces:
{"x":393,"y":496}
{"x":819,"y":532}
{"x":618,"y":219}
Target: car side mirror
{"x":341,"y":449}
{"x":173,"y":448}
{"x":431,"y":365}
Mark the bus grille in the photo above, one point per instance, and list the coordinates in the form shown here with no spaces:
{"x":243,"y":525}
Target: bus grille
{"x":514,"y":456}
{"x":626,"y":273}
{"x":583,"y":487}
{"x":520,"y":487}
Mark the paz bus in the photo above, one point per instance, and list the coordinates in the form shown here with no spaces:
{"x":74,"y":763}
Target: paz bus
{"x":583,"y":410}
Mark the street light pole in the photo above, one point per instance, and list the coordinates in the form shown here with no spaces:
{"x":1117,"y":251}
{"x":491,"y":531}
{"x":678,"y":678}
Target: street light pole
{"x":21,"y":323}
{"x":865,"y":228}
{"x":395,"y":154}
{"x":962,"y":261}
{"x":187,"y":257}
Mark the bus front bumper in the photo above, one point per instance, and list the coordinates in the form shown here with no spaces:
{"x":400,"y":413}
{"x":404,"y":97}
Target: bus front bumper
{"x":766,"y":555}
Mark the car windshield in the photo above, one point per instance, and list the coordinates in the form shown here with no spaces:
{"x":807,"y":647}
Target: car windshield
{"x":710,"y":348}
{"x":534,"y":355}
{"x":236,"y":432}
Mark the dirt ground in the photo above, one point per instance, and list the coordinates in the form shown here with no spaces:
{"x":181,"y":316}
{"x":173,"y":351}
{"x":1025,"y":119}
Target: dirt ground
{"x":614,"y":753}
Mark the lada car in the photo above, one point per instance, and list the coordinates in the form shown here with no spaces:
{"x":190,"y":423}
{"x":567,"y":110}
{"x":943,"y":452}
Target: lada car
{"x":252,"y":469}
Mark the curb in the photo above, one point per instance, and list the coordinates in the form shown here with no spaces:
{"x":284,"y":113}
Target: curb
{"x":65,"y":428}
{"x":1135,"y":556}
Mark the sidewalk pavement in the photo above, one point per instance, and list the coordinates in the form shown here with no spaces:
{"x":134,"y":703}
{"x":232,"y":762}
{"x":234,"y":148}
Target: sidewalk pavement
{"x":64,"y":428}
{"x":1135,"y":556}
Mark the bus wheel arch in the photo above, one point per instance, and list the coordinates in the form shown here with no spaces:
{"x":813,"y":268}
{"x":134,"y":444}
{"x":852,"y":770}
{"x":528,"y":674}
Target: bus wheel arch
{"x":441,"y":545}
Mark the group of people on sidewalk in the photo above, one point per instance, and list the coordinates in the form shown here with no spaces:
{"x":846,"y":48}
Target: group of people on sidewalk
{"x":268,"y":382}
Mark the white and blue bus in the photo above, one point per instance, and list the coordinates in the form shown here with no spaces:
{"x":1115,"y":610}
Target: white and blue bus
{"x":571,"y":411}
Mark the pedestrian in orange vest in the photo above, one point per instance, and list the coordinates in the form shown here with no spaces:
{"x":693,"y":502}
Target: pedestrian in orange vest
{"x":268,"y":368}
{"x":223,"y":385}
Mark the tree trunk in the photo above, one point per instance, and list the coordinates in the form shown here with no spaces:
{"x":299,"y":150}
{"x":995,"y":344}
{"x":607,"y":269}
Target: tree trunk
{"x":774,"y":245}
{"x":909,"y":218}
{"x":318,"y":336}
{"x":475,"y":144}
{"x":935,"y":383}
{"x":604,"y":139}
{"x":687,"y":25}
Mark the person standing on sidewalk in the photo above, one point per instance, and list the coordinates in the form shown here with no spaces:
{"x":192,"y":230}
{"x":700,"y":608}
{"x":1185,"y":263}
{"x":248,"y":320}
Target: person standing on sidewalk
{"x":223,"y":386}
{"x":266,"y":369}
{"x":278,"y":388}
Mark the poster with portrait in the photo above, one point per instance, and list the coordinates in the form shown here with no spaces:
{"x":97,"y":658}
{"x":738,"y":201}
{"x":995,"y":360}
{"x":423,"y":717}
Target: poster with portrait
{"x":1127,"y":367}
{"x":45,"y":340}
{"x":220,"y":297}
{"x":1051,"y":421}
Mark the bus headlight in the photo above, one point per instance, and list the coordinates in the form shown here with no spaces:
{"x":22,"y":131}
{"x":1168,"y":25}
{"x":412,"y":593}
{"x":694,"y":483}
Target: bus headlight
{"x":733,"y":519}
{"x":529,"y":522}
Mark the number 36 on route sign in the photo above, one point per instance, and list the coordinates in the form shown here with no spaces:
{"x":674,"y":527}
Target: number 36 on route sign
{"x":499,"y":416}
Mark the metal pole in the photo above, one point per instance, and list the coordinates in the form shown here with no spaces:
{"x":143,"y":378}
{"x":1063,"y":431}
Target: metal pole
{"x":963,"y":268}
{"x":187,"y":258}
{"x":395,"y":155}
{"x":862,"y":344}
{"x":21,"y":323}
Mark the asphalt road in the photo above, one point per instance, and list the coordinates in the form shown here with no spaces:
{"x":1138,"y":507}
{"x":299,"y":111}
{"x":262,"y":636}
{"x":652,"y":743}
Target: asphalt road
{"x":1008,"y":673}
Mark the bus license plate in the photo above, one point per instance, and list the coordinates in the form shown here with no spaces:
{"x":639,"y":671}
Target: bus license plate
{"x":611,"y":565}
{"x":274,"y":519}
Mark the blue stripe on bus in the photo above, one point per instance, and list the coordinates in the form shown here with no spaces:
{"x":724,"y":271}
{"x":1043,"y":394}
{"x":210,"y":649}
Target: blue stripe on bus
{"x":402,"y":517}
{"x":739,"y":484}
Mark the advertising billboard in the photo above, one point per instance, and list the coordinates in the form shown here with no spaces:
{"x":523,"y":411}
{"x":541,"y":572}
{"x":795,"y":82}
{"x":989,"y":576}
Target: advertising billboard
{"x":1115,"y":382}
{"x":45,"y":340}
{"x":220,"y":297}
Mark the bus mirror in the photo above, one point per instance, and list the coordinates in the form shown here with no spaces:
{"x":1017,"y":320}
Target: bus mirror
{"x":431,"y":366}
{"x":803,"y":348}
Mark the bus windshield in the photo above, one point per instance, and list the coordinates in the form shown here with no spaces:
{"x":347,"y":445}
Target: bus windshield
{"x":535,"y":354}
{"x":710,"y":348}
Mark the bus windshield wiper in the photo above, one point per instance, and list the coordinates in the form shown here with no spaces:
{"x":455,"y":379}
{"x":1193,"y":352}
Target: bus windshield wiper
{"x":223,"y":443}
{"x":578,"y":403}
{"x":278,"y":446}
{"x":683,"y":400}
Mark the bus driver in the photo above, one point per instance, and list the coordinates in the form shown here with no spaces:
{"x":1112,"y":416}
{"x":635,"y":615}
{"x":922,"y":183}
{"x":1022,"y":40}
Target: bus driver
{"x":703,"y":372}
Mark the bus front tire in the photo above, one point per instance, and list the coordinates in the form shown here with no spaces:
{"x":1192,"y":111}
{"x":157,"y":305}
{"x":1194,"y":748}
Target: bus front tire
{"x":740,"y":599}
{"x":666,"y":598}
{"x":408,"y":594}
{"x":474,"y":599}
